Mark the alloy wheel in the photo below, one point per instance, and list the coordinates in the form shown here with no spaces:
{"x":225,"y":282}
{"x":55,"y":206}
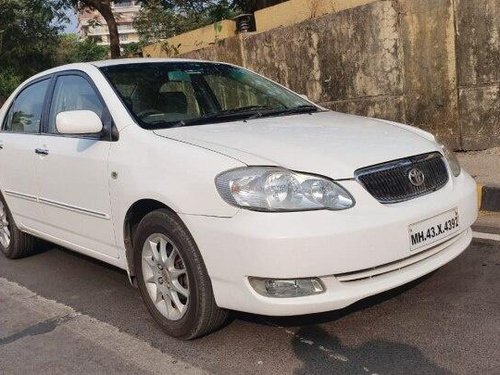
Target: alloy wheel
{"x":165,"y":276}
{"x":4,"y":227}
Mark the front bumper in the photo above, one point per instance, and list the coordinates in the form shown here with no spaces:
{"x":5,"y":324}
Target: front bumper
{"x":327,"y":244}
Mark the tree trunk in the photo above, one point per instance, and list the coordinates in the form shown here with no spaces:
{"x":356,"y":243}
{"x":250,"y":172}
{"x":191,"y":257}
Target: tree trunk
{"x":114,"y":38}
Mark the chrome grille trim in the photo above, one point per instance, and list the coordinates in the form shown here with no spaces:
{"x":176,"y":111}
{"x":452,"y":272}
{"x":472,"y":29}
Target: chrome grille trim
{"x":389,"y":182}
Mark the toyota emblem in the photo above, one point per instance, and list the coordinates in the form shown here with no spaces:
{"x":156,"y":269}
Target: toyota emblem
{"x":416,"y":177}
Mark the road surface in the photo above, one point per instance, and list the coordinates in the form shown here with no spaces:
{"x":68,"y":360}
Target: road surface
{"x":62,"y":312}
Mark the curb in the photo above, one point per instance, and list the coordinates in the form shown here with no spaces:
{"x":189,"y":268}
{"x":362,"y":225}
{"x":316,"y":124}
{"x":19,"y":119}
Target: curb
{"x":487,"y":223}
{"x":489,"y":198}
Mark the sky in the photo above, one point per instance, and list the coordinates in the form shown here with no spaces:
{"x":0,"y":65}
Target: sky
{"x":70,"y":27}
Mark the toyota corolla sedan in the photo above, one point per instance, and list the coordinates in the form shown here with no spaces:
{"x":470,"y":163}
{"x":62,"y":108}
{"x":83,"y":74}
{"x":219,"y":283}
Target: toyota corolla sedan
{"x":217,"y":189}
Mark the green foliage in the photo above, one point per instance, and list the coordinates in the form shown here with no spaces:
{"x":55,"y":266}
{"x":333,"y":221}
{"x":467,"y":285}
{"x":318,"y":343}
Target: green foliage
{"x":88,"y":50}
{"x":155,"y":22}
{"x":31,"y":41}
{"x":8,"y":83}
{"x":250,"y":6}
{"x":72,"y":50}
{"x":162,"y":19}
{"x":28,"y":34}
{"x":104,"y":7}
{"x":28,"y":39}
{"x":132,"y":49}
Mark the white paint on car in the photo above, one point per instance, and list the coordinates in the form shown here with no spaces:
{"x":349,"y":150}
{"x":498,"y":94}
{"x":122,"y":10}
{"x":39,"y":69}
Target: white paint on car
{"x":76,"y":191}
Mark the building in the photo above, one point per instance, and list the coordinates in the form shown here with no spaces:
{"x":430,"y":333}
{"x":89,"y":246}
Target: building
{"x":92,"y":25}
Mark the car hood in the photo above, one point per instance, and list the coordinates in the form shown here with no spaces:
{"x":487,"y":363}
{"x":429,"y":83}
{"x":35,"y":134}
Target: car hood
{"x":328,"y":143}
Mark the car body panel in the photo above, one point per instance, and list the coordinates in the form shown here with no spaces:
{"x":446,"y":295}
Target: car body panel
{"x":177,"y":167}
{"x":73,"y":191}
{"x":323,"y":244}
{"x":328,"y":143}
{"x":18,"y":176}
{"x":160,"y":177}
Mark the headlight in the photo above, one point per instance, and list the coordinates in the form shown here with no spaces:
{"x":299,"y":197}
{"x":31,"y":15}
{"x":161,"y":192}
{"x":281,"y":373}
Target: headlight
{"x":450,"y":158}
{"x":278,"y":189}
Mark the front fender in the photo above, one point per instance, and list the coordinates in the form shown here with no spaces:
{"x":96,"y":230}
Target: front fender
{"x":178,"y":175}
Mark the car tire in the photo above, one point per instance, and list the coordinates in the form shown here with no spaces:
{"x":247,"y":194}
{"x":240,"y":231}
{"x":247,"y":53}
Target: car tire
{"x":169,"y":266}
{"x":14,"y":244}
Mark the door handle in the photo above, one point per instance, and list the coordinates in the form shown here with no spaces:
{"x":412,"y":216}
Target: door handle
{"x":41,"y":151}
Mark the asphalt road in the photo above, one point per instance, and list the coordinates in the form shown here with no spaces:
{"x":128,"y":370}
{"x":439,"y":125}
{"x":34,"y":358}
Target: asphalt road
{"x":445,"y":323}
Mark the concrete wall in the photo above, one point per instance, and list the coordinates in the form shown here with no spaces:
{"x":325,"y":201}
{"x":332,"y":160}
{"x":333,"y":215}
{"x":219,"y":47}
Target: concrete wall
{"x":431,"y":63}
{"x":295,"y":11}
{"x":192,"y":40}
{"x":478,"y":56}
{"x":287,"y":13}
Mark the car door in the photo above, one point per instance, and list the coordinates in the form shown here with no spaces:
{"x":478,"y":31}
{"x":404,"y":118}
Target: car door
{"x":19,"y":137}
{"x":72,"y":171}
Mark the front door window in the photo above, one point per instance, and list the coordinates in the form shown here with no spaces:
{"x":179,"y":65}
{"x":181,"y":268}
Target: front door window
{"x":72,"y":93}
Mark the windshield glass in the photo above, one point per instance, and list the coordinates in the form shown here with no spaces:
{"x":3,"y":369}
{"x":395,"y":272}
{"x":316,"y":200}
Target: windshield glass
{"x":171,"y":94}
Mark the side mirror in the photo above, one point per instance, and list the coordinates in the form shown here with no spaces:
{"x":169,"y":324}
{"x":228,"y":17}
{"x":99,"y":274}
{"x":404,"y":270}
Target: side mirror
{"x":78,"y":122}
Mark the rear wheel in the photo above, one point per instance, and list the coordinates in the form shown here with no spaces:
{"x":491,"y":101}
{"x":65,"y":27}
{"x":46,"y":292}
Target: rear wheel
{"x":13,"y":243}
{"x":172,"y":278}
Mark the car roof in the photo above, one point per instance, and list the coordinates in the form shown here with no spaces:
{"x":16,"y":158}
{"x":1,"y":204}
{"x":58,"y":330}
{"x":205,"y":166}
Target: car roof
{"x":86,"y":66}
{"x":141,"y":60}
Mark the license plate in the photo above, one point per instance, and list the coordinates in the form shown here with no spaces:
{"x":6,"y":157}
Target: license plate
{"x":433,"y":230}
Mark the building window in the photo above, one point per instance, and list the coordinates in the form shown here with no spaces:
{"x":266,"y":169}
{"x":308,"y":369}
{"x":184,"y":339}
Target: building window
{"x":126,"y":26}
{"x":123,"y":3}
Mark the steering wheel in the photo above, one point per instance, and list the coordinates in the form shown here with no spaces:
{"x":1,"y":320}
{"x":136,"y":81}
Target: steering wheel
{"x":148,"y":112}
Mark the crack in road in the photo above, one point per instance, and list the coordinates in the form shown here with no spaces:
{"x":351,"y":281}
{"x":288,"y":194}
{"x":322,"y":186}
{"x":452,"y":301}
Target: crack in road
{"x":40,"y":328}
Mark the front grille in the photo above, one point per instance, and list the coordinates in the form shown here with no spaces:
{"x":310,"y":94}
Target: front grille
{"x":391,"y":182}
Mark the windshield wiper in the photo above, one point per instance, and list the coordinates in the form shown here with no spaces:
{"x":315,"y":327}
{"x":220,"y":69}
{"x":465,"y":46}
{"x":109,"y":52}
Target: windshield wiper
{"x":236,"y":112}
{"x":250,"y":108}
{"x":252,"y":112}
{"x":195,"y":121}
{"x":304,"y":108}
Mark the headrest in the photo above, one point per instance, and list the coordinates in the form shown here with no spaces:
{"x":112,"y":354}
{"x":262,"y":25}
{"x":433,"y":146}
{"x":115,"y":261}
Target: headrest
{"x":173,"y":102}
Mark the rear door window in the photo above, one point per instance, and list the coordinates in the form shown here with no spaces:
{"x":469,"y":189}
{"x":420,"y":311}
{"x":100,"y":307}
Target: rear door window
{"x":25,"y":114}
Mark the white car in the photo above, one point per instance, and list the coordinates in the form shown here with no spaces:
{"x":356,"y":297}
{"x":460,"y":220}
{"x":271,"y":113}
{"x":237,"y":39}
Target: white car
{"x":217,"y":189}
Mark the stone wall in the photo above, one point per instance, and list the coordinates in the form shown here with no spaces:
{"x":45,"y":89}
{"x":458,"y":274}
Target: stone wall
{"x":478,"y":56}
{"x":431,"y":63}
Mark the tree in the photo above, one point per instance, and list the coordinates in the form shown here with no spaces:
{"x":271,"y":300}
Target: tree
{"x":72,"y":50}
{"x":28,"y":40}
{"x":9,"y":80}
{"x":89,"y":50}
{"x":156,"y":22}
{"x":162,"y":19}
{"x":104,"y":8}
{"x":252,"y":6}
{"x":132,"y":49}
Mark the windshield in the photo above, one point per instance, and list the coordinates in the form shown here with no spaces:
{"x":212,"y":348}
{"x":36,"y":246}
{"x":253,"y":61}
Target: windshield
{"x":171,"y":94}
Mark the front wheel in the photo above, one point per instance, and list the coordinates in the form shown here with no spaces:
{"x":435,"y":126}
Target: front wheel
{"x":172,"y":278}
